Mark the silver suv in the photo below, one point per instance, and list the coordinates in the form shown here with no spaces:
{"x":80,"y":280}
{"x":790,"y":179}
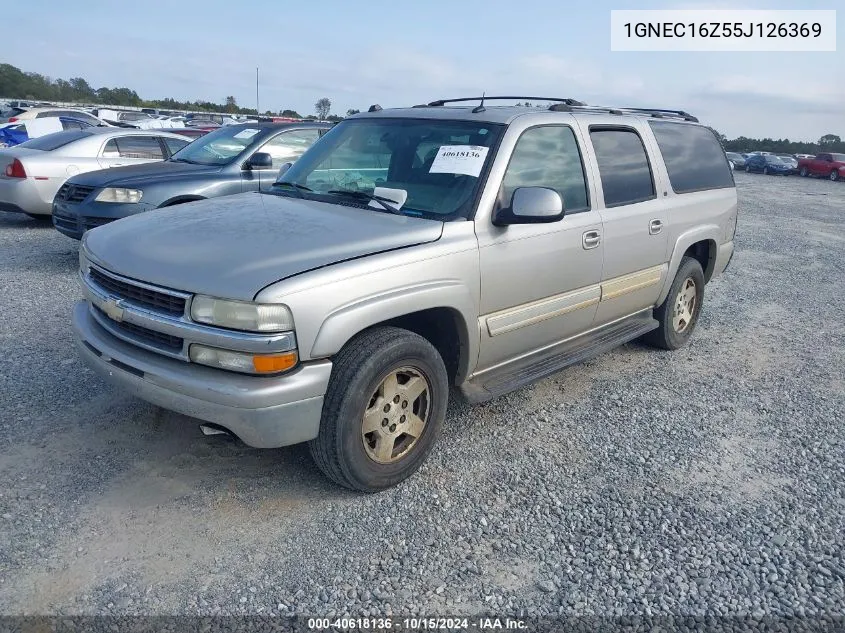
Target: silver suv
{"x":409,"y":250}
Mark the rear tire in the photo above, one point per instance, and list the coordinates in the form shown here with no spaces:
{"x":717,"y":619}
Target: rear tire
{"x":747,"y":169}
{"x":834,"y":175}
{"x":804,"y":172}
{"x":678,"y":314}
{"x":383,"y":410}
{"x":765,"y":171}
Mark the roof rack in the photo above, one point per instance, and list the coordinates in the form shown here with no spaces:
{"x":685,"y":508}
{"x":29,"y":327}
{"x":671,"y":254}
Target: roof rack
{"x":441,"y":102}
{"x":661,"y":113}
{"x":573,"y":105}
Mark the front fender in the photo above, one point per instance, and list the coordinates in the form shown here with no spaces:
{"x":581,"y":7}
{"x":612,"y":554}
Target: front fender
{"x":348,"y":320}
{"x":707,"y":232}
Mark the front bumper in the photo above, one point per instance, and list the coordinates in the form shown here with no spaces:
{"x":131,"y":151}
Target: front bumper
{"x":264,"y":412}
{"x":74,"y":219}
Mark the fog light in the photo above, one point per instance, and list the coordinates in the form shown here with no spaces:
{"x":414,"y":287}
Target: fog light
{"x":243,"y":362}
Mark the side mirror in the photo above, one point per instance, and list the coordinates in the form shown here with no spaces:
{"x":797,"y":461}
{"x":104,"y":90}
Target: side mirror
{"x":259,"y":160}
{"x":531,"y":205}
{"x":283,"y":170}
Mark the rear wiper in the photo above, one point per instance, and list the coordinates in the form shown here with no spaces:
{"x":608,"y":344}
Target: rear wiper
{"x":368,"y":196}
{"x":296,"y":187}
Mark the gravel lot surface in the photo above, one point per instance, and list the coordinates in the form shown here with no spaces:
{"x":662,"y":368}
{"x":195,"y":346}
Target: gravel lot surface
{"x":708,"y":481}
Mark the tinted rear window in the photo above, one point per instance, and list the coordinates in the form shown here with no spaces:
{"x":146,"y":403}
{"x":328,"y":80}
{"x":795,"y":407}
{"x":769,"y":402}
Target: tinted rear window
{"x":56,"y":140}
{"x":693,"y":156}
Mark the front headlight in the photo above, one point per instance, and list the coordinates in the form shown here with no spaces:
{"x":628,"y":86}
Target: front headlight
{"x":242,"y":315}
{"x":119,"y":194}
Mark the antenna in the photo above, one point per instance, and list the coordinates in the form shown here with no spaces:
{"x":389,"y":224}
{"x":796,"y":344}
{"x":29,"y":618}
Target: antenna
{"x":480,"y":107}
{"x":257,"y":109}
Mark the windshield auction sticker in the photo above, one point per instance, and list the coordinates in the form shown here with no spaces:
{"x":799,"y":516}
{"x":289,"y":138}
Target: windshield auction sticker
{"x":247,"y":133}
{"x":459,"y":159}
{"x":723,"y":30}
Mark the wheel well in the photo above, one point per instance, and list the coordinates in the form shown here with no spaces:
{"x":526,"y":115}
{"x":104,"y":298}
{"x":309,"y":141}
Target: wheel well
{"x":442,"y":328}
{"x":705,"y":252}
{"x":180,"y":200}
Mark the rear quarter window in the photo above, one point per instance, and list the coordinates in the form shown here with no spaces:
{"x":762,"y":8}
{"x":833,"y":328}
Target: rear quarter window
{"x":693,"y":156}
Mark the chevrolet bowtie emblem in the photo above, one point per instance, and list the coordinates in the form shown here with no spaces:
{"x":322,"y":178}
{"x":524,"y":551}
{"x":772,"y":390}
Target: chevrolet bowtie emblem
{"x":113,"y":310}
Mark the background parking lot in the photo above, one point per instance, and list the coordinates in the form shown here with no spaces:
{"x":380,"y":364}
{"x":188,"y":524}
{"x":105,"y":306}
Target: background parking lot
{"x":708,"y":480}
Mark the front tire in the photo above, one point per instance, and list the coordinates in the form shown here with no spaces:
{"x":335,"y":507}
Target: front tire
{"x":765,"y":171}
{"x":834,"y":175}
{"x":678,"y":314}
{"x":747,"y":169}
{"x":383,"y":410}
{"x":804,"y":172}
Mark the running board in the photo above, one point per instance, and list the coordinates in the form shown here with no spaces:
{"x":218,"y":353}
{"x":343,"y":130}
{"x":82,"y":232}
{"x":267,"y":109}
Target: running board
{"x":543,"y":364}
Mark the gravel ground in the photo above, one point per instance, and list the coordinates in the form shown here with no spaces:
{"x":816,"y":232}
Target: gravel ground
{"x":704,"y":482}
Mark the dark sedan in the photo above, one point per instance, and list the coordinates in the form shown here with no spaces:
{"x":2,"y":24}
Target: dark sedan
{"x":737,"y":161}
{"x":768,"y":164}
{"x":230,"y":160}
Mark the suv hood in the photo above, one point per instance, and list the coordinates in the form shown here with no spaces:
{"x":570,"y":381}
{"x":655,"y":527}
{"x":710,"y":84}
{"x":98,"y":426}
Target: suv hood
{"x":134,"y":175}
{"x":232,"y":247}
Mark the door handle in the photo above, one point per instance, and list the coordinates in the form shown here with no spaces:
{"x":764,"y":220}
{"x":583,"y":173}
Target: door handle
{"x":590,"y":239}
{"x":655,"y":226}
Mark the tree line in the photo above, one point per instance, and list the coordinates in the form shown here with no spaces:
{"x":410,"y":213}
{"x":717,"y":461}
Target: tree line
{"x":35,"y":87}
{"x":32,"y":86}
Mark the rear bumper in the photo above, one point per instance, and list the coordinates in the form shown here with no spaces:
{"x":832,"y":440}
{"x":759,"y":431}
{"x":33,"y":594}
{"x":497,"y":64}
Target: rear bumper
{"x":264,"y":412}
{"x":24,"y":195}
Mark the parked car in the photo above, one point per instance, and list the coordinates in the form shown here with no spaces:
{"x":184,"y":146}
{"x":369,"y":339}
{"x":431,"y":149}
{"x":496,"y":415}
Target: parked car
{"x":768,"y":164}
{"x":12,"y":134}
{"x":737,"y":161}
{"x":407,"y":250}
{"x":790,"y":160}
{"x":229,"y":160}
{"x":191,"y":132}
{"x":32,"y":172}
{"x":40,"y":113}
{"x":827,"y":165}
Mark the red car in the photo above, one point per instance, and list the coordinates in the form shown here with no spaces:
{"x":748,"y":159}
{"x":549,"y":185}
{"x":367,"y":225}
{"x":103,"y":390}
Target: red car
{"x":828,"y":165}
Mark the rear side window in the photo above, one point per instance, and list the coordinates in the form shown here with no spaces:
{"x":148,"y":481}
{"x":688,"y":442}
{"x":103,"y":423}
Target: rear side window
{"x":693,"y":156}
{"x":547,"y":156}
{"x":56,"y":140}
{"x":142,"y":147}
{"x":623,"y":166}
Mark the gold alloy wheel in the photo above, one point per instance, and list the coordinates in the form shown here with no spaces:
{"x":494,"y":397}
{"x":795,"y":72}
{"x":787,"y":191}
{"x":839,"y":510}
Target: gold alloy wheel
{"x":396,"y":415}
{"x":684,"y":306}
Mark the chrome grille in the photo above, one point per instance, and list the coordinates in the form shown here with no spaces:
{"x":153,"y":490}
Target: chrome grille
{"x":139,"y":295}
{"x":142,"y":334}
{"x":74,"y":193}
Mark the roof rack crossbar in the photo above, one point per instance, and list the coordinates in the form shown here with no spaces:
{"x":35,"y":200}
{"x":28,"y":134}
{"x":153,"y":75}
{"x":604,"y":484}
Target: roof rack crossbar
{"x":567,"y":101}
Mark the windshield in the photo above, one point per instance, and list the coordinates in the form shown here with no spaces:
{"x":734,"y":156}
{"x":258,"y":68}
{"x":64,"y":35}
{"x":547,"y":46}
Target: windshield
{"x":423,"y":167}
{"x":773,"y":159}
{"x":221,"y":146}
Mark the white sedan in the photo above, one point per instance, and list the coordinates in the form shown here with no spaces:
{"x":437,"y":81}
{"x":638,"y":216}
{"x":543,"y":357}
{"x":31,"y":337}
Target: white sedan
{"x":31,"y":173}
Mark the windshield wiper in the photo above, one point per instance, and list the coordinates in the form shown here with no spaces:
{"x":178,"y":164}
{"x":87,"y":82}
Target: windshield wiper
{"x":298,"y":189}
{"x":183,"y":160}
{"x":368,"y":196}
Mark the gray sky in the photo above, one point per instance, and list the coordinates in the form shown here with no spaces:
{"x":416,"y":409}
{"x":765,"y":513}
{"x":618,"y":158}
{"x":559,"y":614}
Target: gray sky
{"x":401,"y":53}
